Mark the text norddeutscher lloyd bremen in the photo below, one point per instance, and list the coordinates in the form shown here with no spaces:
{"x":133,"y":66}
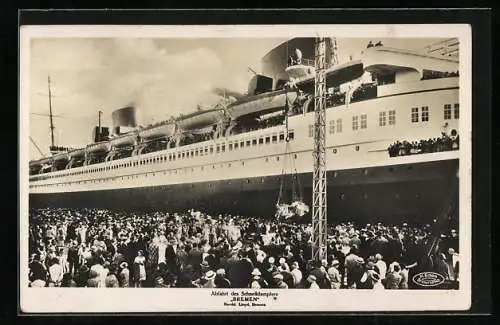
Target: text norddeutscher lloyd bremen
{"x":246,"y":298}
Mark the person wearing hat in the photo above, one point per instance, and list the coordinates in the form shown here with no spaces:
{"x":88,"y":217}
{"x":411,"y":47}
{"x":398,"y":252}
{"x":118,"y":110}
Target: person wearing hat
{"x":382,"y":267}
{"x":377,"y":281}
{"x":195,"y":257}
{"x":209,"y":279}
{"x":278,"y":282}
{"x":111,"y":280}
{"x":73,"y":258}
{"x":37,"y":270}
{"x":37,"y":284}
{"x":393,"y":277}
{"x":220,"y":279}
{"x":269,"y":268}
{"x":353,"y":267}
{"x":366,"y":281}
{"x":257,"y":281}
{"x":283,"y":266}
{"x":334,"y":275}
{"x":311,"y":280}
{"x":296,"y":273}
{"x":139,"y":269}
{"x":442,"y":266}
{"x":55,"y":272}
{"x":124,"y":275}
{"x":94,"y":279}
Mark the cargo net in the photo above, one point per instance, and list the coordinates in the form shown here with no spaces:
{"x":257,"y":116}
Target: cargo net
{"x":289,"y":206}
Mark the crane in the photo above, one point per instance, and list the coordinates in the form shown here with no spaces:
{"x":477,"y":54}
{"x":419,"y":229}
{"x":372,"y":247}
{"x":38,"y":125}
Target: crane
{"x":319,"y":207}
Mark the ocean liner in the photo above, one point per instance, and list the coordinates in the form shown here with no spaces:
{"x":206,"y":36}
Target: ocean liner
{"x":391,"y":146}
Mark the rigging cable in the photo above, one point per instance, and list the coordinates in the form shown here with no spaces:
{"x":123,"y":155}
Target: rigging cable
{"x":36,"y":146}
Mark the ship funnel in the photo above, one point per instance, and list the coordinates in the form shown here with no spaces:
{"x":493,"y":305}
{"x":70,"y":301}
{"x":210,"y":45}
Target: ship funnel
{"x":125,"y":117}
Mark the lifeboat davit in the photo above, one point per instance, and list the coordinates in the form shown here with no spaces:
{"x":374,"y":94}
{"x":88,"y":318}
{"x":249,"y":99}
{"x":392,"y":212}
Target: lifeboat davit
{"x":201,"y":119}
{"x":125,"y":140}
{"x":98,"y":147}
{"x":262,"y":104}
{"x":160,"y":131}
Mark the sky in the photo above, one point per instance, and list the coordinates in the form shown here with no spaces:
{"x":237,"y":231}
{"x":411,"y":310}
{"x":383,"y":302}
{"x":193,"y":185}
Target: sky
{"x":161,"y":77}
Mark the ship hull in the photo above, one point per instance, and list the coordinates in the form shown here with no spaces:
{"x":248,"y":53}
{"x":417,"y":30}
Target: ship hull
{"x":407,"y":192}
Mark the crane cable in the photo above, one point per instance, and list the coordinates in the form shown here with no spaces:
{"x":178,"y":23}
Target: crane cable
{"x":293,"y":168}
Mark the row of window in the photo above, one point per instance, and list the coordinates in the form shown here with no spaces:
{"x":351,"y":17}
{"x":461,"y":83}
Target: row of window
{"x":357,"y":122}
{"x":418,"y":114}
{"x":206,"y":150}
{"x":170,"y":172}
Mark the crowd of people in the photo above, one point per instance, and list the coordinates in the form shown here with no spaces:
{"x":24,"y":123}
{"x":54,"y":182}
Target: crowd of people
{"x":102,"y":248}
{"x":438,"y":144}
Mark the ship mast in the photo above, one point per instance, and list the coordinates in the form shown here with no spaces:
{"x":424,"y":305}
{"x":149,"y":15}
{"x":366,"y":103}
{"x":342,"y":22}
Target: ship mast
{"x":51,"y":117}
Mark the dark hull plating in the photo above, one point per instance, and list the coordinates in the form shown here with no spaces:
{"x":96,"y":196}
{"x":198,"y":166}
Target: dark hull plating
{"x":413,"y":193}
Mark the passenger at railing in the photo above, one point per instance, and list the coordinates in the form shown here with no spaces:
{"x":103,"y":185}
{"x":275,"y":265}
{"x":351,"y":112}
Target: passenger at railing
{"x":379,"y":43}
{"x":439,"y":144}
{"x":370,"y":44}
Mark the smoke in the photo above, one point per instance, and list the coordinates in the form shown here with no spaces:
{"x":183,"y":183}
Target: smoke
{"x":160,"y":84}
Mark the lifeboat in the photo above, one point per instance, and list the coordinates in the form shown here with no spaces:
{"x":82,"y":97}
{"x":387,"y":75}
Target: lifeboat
{"x":335,"y":76}
{"x":60,"y":157}
{"x":124,"y":140}
{"x":76,"y":153}
{"x":262,"y":104}
{"x":98,"y":147}
{"x":160,"y":131}
{"x":200,"y":120}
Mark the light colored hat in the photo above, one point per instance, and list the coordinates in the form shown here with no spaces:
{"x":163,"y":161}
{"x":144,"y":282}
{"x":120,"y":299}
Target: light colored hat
{"x":210,"y":275}
{"x":38,"y":284}
{"x":123,"y":265}
{"x":271,"y":260}
{"x":278,"y":276}
{"x":295,"y":264}
{"x":256,"y":271}
{"x":335,"y":262}
{"x":282,"y":260}
{"x":221,"y":272}
{"x":311,"y":278}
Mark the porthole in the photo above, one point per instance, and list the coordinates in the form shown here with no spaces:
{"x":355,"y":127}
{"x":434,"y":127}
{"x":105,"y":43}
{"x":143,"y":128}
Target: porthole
{"x":335,"y":150}
{"x":357,"y":148}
